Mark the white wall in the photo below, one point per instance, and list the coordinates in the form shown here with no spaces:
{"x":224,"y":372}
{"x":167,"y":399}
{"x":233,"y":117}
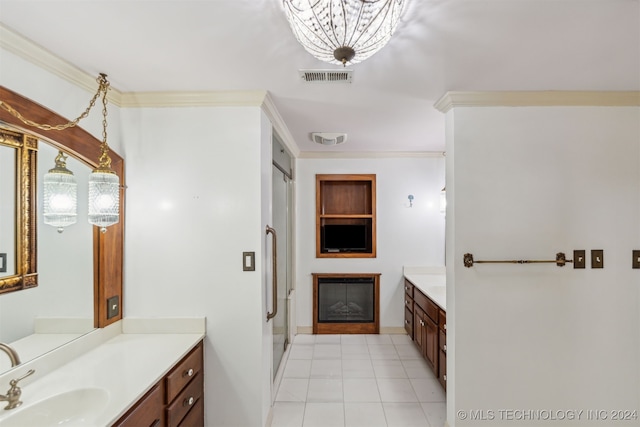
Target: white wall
{"x":525,"y":183}
{"x":193,"y":206}
{"x":405,"y":236}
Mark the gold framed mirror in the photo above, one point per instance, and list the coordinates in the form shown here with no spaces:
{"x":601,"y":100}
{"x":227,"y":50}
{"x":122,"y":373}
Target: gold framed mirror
{"x":20,"y":258}
{"x":108,"y":248}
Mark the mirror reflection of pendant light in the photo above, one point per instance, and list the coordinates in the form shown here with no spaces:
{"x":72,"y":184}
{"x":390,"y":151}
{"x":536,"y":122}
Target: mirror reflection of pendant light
{"x":104,"y":184}
{"x":341,"y":31}
{"x":60,"y":195}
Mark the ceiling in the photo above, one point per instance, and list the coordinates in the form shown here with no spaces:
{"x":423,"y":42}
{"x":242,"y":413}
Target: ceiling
{"x":439,"y":46}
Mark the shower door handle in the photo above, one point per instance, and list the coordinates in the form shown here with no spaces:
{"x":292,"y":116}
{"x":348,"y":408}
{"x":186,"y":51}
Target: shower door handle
{"x":274,"y":284}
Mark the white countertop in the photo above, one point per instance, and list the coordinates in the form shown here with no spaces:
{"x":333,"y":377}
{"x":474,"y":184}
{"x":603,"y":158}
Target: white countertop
{"x":431,"y":281}
{"x":124,"y":364}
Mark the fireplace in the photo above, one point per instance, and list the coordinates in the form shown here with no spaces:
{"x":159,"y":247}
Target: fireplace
{"x":346,"y":303}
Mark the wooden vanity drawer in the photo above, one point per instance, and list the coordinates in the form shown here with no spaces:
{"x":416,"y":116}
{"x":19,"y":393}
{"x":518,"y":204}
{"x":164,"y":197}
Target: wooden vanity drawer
{"x":442,"y":339}
{"x":442,"y":320}
{"x":428,"y":306}
{"x":185,"y":402}
{"x":408,"y":288}
{"x":147,"y":412}
{"x":184,"y":372}
{"x":408,"y":322}
{"x":195,"y":417}
{"x":408,"y":303}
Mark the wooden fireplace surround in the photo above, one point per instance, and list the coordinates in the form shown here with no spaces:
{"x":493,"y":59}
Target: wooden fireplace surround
{"x":347,"y":328}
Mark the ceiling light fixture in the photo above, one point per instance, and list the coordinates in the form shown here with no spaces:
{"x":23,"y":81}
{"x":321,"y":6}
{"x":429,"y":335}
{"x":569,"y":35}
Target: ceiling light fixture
{"x":104,"y":184}
{"x":343,"y":31}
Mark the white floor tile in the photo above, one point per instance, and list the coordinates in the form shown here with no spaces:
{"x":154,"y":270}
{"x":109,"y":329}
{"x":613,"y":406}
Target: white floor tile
{"x":326,"y":368}
{"x":436,"y":413}
{"x":355,"y":351}
{"x":417,"y":368}
{"x":297,"y":368}
{"x":293,"y":390}
{"x":378,"y":339}
{"x":328,"y":339}
{"x":404,"y":415}
{"x":401,"y":339}
{"x":396,"y":390}
{"x":408,"y":351}
{"x":324,"y":415}
{"x":304,"y":339}
{"x":428,"y":390}
{"x":327,"y":351}
{"x":287,"y":414}
{"x":325,"y":390}
{"x":364,"y":415}
{"x":301,"y":351}
{"x":360,"y":390}
{"x":388,"y":369}
{"x":352,"y":339}
{"x":383,"y":351}
{"x":357,"y":368}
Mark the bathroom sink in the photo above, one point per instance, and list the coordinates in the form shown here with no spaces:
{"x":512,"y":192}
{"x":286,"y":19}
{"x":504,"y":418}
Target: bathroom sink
{"x":77,"y":407}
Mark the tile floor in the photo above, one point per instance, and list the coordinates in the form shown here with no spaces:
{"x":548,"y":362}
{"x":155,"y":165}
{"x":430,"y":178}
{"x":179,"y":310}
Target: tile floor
{"x":357,"y":380}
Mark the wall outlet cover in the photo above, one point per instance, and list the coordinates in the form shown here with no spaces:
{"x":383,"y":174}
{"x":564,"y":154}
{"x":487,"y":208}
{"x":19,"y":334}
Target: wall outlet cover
{"x":579,"y":259}
{"x":113,"y":307}
{"x":597,"y":258}
{"x":636,"y":259}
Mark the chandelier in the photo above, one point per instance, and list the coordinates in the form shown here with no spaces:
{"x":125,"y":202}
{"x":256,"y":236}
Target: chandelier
{"x":59,"y":183}
{"x":343,"y":31}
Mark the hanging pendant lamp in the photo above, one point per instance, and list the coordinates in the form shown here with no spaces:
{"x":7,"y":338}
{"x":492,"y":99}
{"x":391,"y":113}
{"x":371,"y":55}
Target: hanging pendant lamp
{"x":60,"y":195}
{"x":104,"y":184}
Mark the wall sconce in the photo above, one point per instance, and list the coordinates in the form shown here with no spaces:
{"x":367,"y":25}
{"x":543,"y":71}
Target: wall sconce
{"x":443,"y":201}
{"x":104,"y":184}
{"x":60,"y":195}
{"x":410,"y":200}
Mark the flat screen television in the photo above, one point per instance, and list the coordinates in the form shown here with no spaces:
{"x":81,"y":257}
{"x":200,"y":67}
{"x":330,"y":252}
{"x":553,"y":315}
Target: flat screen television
{"x":344,"y":238}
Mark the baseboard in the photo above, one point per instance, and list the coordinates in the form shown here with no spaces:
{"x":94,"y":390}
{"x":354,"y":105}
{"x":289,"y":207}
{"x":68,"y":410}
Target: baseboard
{"x":305,"y":329}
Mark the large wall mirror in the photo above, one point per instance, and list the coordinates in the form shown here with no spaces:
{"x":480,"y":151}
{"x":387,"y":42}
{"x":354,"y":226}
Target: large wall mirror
{"x":63,"y":291}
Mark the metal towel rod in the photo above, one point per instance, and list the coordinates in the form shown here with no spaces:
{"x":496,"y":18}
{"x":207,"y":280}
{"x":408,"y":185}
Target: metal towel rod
{"x":560,"y":261}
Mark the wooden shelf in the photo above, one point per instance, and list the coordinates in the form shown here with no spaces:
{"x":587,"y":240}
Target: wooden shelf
{"x":346,"y":200}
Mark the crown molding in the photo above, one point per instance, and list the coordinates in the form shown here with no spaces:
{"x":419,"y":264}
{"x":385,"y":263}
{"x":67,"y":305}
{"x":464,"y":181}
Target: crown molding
{"x":192,"y":99}
{"x":279,"y":125}
{"x":37,"y":55}
{"x":538,"y":99}
{"x":369,"y":154}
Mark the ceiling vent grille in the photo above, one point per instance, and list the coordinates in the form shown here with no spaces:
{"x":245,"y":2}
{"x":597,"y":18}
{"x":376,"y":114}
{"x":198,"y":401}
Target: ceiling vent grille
{"x":328,"y":138}
{"x":326,"y":76}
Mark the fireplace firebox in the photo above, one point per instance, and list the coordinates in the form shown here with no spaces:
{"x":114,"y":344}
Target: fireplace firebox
{"x":346,"y":303}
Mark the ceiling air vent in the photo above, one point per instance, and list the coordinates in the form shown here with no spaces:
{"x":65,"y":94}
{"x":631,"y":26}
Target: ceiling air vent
{"x":326,"y":76}
{"x":326,"y":138}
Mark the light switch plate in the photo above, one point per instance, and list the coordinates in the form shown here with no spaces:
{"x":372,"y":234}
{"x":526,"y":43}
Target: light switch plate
{"x":636,"y":259}
{"x":597,"y":258}
{"x":579,"y":258}
{"x":113,"y":307}
{"x":248,"y":261}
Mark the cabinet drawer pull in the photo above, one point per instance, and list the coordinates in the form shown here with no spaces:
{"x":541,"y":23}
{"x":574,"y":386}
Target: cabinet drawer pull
{"x":406,"y":288}
{"x":406,"y":322}
{"x":445,"y":327}
{"x":421,"y":323}
{"x":188,"y":373}
{"x":188,"y":402}
{"x":444,"y":347}
{"x":444,"y":377}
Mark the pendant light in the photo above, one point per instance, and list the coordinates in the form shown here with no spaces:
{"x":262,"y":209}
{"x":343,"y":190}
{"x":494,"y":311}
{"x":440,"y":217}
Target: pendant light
{"x":60,"y":195}
{"x":104,"y":184}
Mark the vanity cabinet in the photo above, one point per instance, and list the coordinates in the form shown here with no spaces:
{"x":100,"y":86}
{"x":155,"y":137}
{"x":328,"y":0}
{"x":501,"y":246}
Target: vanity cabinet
{"x":427,"y":328}
{"x":175,"y":401}
{"x":408,"y":308}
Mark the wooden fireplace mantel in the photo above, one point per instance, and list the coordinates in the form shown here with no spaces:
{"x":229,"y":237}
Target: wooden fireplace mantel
{"x":347,"y":328}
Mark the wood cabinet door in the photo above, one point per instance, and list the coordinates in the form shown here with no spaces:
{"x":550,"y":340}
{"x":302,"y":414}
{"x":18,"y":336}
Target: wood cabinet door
{"x":442,"y":369}
{"x":431,"y":344}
